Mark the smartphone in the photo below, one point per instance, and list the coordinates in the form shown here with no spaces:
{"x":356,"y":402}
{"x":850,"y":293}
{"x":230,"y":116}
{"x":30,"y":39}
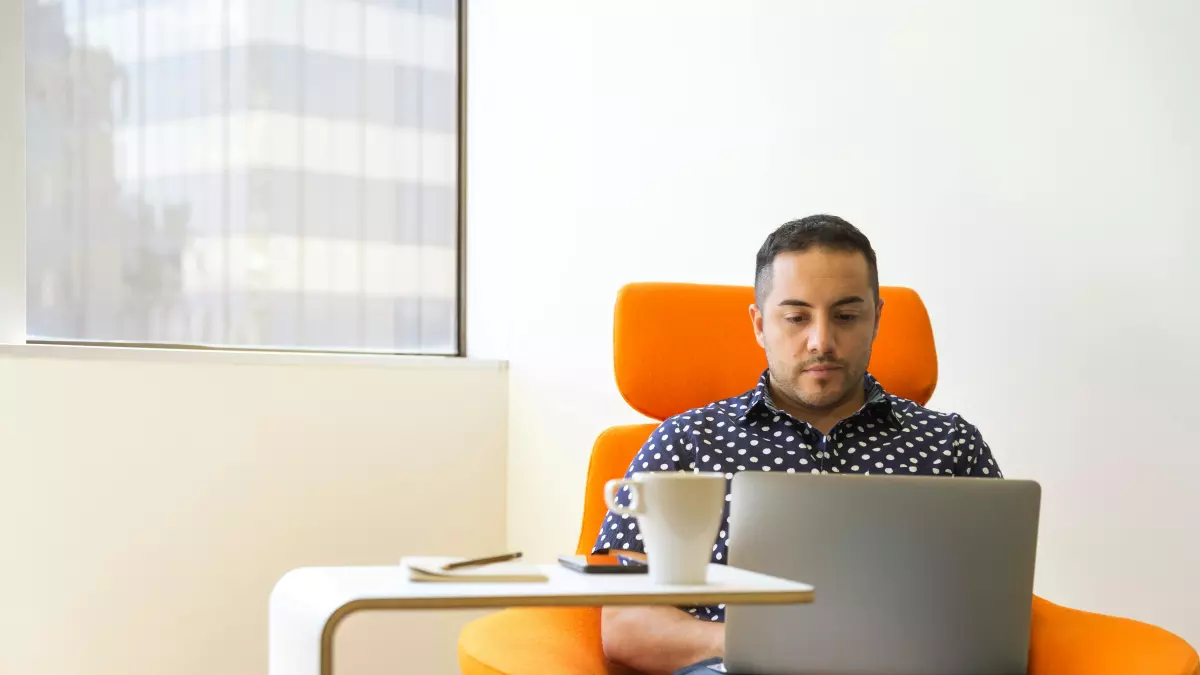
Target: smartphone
{"x":604,"y":564}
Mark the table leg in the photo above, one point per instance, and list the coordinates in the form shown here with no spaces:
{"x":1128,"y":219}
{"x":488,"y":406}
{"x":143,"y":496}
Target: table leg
{"x":301,"y":621}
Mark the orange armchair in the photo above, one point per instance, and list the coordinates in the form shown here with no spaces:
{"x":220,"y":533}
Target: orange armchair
{"x":680,"y":346}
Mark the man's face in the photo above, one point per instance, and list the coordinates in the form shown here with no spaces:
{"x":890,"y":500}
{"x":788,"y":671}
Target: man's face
{"x":817,"y":324}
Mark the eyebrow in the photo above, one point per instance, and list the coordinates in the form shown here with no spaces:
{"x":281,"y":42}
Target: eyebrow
{"x":793,"y":302}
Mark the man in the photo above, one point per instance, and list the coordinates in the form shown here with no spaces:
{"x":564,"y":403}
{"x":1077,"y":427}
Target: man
{"x":816,"y":409}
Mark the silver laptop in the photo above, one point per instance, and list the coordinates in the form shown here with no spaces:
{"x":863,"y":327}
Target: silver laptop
{"x":913,"y":575}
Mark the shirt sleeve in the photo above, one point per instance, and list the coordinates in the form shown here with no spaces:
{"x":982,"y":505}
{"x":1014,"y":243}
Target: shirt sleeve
{"x":973,"y":457}
{"x":667,"y":449}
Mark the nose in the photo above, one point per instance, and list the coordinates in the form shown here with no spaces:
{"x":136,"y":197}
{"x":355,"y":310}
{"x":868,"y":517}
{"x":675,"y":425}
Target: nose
{"x":820,"y":336}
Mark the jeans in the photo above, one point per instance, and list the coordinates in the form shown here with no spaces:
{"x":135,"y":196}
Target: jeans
{"x":701,"y":668}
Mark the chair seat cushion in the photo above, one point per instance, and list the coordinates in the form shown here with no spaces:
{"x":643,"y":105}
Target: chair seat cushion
{"x":535,"y":641}
{"x":566,"y":641}
{"x":1066,"y":641}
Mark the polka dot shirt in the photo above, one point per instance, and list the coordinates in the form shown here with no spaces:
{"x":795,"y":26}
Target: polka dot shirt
{"x":888,"y":435}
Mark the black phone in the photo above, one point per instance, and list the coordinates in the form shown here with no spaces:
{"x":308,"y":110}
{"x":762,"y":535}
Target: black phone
{"x":603,"y":564}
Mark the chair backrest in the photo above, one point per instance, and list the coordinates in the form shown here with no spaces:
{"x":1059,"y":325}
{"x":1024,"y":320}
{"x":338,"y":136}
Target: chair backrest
{"x":682,"y":346}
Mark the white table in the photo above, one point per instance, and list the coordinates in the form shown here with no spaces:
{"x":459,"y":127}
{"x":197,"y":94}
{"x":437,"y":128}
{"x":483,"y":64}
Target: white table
{"x":307,"y":604}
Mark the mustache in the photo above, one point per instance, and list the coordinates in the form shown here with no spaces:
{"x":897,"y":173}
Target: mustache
{"x":821,"y":362}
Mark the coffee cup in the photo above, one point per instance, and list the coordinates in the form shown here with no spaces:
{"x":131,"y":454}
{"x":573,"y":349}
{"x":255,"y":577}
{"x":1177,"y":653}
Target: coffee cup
{"x":678,"y":515}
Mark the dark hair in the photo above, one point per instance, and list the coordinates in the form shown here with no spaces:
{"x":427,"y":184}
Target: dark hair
{"x":820,"y":231}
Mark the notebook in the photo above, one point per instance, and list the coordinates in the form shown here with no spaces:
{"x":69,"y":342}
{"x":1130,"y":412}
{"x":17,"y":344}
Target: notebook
{"x":430,"y":569}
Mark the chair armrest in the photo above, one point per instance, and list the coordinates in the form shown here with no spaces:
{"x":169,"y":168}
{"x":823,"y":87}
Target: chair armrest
{"x":1067,"y":641}
{"x":535,"y":641}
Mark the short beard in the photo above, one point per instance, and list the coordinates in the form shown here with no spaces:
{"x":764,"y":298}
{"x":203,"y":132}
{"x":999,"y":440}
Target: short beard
{"x":782,"y":387}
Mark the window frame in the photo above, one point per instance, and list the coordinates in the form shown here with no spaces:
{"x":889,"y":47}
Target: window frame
{"x":13,"y":209}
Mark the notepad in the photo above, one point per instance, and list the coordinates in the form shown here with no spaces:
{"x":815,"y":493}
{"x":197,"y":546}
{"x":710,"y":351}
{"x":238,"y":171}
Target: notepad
{"x":430,"y":569}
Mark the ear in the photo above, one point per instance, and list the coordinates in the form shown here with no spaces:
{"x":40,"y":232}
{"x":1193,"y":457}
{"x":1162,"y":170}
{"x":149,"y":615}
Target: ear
{"x":756,"y":320}
{"x":878,"y":316}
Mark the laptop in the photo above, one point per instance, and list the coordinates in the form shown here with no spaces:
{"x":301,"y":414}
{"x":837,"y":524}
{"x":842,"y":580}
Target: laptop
{"x":913,"y":575}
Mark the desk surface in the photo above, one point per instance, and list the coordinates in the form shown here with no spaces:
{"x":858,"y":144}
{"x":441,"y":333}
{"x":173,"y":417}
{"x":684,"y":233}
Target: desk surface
{"x":388,"y":587}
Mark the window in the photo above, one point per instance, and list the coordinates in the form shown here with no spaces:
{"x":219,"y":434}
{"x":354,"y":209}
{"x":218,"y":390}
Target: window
{"x":244,"y":173}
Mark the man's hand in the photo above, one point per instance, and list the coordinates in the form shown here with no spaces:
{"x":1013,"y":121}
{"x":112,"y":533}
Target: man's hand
{"x":659,"y":640}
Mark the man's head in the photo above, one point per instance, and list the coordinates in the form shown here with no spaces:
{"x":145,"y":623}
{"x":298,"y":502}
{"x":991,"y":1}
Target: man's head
{"x":816,"y":310}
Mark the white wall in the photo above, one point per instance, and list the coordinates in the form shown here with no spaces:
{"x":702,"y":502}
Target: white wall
{"x":149,"y":504}
{"x":1030,"y":166}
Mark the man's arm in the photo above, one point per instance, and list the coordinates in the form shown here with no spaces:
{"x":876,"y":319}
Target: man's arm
{"x":659,"y":640}
{"x":654,"y":639}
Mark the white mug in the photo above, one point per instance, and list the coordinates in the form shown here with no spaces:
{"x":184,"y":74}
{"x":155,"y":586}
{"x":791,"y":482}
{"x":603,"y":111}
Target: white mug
{"x":678,"y":515}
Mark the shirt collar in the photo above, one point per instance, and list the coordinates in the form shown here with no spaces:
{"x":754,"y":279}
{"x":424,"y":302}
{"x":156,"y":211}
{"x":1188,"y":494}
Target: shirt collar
{"x":877,"y":399}
{"x":760,"y":396}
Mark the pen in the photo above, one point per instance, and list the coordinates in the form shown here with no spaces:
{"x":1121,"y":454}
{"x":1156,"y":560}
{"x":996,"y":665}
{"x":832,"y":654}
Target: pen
{"x":482,"y":561}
